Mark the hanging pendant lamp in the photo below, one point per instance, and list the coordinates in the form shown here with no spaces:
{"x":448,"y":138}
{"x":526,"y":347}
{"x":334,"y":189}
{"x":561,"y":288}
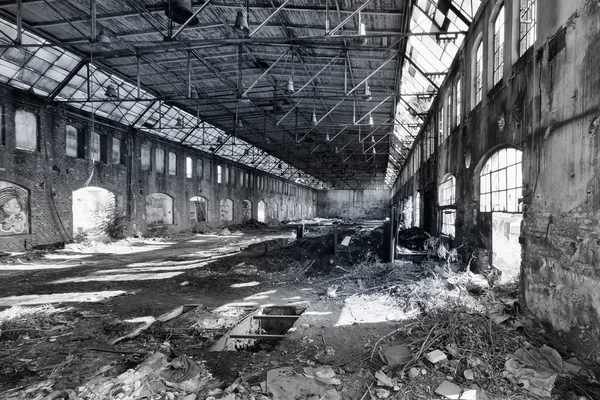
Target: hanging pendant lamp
{"x":181,"y":11}
{"x":241,"y":21}
{"x":371,"y":120}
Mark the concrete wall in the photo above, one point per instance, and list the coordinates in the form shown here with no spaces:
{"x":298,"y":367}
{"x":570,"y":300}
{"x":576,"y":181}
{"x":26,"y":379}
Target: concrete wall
{"x":369,"y":204}
{"x":49,"y":177}
{"x":548,"y":106}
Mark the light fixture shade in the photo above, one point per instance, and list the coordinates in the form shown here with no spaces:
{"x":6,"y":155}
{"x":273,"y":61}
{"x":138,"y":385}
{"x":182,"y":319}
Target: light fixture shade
{"x":372,"y":139}
{"x":103,"y":41}
{"x":289,"y":88}
{"x":370,"y":119}
{"x":374,"y":151}
{"x":240,"y":124}
{"x":367,"y":93}
{"x":194,"y":93}
{"x":241,"y":21}
{"x":313,"y":120}
{"x":178,"y":123}
{"x":111,"y":91}
{"x":181,"y":11}
{"x":327,"y":138}
{"x":362,"y":30}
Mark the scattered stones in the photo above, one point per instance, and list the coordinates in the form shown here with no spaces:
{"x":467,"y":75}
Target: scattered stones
{"x":398,"y":356}
{"x":413,"y":373}
{"x":436,"y":356}
{"x":469,"y":375}
{"x":449,"y":390}
{"x":382,"y":393}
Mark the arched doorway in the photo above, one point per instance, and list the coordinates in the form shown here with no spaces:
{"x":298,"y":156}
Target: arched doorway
{"x":500,"y":187}
{"x":226,"y":209}
{"x":94,"y":213}
{"x":198,"y":210}
{"x":159,"y":209}
{"x":261,"y":211}
{"x":246,"y":210}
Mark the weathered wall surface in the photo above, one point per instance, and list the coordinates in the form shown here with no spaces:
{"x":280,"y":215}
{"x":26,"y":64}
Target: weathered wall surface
{"x":369,"y":204}
{"x":49,"y":176}
{"x":548,"y":106}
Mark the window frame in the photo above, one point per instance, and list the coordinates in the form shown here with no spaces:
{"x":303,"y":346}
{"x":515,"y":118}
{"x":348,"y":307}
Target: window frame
{"x":36,"y":141}
{"x":159,"y":166}
{"x":146,"y":166}
{"x":498,"y":41}
{"x":530,"y":35}
{"x":189,"y":167}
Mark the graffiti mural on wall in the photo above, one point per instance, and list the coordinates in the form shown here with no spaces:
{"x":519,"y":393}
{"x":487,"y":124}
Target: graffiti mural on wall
{"x":14,"y":209}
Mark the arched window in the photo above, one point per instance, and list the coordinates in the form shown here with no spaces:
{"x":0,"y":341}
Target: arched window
{"x":198,"y":209}
{"x":246,"y":209}
{"x":226,"y":209}
{"x":501,"y":182}
{"x":262,"y":211}
{"x":498,"y":45}
{"x":447,"y":201}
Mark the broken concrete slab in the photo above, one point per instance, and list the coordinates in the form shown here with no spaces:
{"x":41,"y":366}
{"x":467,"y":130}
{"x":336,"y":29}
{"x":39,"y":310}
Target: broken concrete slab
{"x":285,"y":384}
{"x":436,"y":356}
{"x":449,"y":390}
{"x":469,"y":394}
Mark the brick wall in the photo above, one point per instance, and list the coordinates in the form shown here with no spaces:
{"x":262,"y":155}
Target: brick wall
{"x":51,"y":176}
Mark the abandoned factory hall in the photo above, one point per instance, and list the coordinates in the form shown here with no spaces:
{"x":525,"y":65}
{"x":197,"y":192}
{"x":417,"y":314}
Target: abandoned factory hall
{"x":299,"y":199}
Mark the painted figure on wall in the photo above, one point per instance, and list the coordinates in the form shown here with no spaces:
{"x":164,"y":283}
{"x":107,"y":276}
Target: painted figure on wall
{"x":14,"y":219}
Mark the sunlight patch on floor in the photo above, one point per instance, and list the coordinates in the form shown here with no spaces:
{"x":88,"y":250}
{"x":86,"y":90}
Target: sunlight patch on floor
{"x":261,"y":295}
{"x":53,"y":256}
{"x":369,"y":309}
{"x":150,"y":269}
{"x":75,"y":297}
{"x":119,"y":277}
{"x":34,"y":267}
{"x":245,"y":284}
{"x":20,"y":312}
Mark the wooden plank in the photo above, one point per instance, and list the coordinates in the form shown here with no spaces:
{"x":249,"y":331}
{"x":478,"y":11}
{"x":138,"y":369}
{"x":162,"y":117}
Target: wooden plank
{"x":276,"y":317}
{"x":256,"y":337}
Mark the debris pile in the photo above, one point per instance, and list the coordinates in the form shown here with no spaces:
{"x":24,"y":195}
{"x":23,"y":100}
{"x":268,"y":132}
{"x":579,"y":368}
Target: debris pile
{"x":413,"y":238}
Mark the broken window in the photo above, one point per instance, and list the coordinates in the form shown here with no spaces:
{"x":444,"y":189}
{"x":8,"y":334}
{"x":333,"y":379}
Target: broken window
{"x":478,"y":81}
{"x":498,"y":59}
{"x":116,"y":151}
{"x":95,"y":147}
{"x":145,"y":157}
{"x":26,"y":130}
{"x":501,"y":182}
{"x":172,"y":163}
{"x":527,"y":21}
{"x":189,"y":169}
{"x":447,"y":199}
{"x":159,"y":154}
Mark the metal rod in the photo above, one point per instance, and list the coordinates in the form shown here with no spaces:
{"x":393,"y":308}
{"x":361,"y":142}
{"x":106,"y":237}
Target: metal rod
{"x":359,"y":9}
{"x":189,"y":74}
{"x":291,"y":109}
{"x":264,"y":73}
{"x":274,"y":13}
{"x":138,"y":76}
{"x":373,"y":109}
{"x":371,"y":74}
{"x":93,"y":13}
{"x":317,"y":74}
{"x":202,"y":7}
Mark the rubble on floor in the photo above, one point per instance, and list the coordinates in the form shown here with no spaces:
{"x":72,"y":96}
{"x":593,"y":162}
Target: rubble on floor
{"x":371,"y":330}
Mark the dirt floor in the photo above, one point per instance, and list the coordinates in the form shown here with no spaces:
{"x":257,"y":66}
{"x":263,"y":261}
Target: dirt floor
{"x":178,"y":318}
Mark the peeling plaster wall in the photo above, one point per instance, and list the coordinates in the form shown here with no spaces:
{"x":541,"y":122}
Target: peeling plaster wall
{"x":50,"y":177}
{"x":548,"y":106}
{"x":369,"y":204}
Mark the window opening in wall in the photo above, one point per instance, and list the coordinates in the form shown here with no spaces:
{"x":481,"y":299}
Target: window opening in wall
{"x":189,"y":167}
{"x":74,"y":142}
{"x":160,"y":160}
{"x":457,"y":93}
{"x":498,"y":60}
{"x":448,"y":114}
{"x":478,"y":73}
{"x":198,"y":210}
{"x":407,"y":211}
{"x":95,"y":147}
{"x":219,"y":174}
{"x":246,"y":210}
{"x":94,"y":214}
{"x":145,"y":157}
{"x":226,"y":209}
{"x":116,"y":151}
{"x":232,"y":176}
{"x":104,"y":150}
{"x":159,"y":209}
{"x":441,"y":124}
{"x":447,"y":199}
{"x":26,"y":130}
{"x":262,"y":212}
{"x":527,"y":19}
{"x":417,"y":209}
{"x":209,"y":171}
{"x":172,"y":163}
{"x":500,"y":193}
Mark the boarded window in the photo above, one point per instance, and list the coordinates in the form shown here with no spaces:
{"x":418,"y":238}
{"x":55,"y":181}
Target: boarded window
{"x":26,"y":130}
{"x":145,"y":157}
{"x":199,"y":168}
{"x":95,"y":147}
{"x":159,"y":209}
{"x":189,"y":167}
{"x":159,"y":155}
{"x":116,"y":151}
{"x":172,"y":163}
